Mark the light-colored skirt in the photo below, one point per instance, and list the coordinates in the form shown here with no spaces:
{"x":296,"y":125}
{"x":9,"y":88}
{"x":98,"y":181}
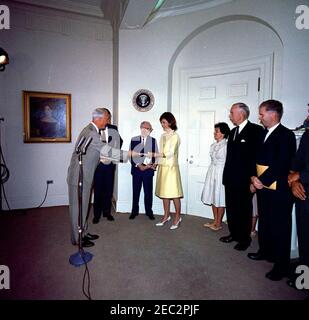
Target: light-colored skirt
{"x":168,"y":182}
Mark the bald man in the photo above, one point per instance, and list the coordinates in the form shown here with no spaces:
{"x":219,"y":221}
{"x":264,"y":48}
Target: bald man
{"x":142,"y":170}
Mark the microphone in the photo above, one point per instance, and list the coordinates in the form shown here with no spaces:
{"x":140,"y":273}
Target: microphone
{"x":81,"y":141}
{"x":87,"y":144}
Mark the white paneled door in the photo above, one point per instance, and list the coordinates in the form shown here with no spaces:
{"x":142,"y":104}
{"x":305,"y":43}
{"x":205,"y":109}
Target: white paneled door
{"x":209,"y":101}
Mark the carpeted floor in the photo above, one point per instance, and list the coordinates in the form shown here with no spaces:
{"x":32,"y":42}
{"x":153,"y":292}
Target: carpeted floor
{"x":133,"y":259}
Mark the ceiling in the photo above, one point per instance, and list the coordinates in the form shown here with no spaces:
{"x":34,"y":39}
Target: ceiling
{"x":131,"y":14}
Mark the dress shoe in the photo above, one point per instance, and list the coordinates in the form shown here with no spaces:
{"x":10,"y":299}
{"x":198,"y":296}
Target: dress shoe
{"x":259,"y":256}
{"x":132,"y":216}
{"x":227,"y":239}
{"x":242,"y":246}
{"x":87,"y":243}
{"x":161,"y":224}
{"x":215,"y":228}
{"x":110,"y":218}
{"x":291,"y":283}
{"x":91,"y":236}
{"x":275,"y":274}
{"x":151,"y":216}
{"x":95,"y":220}
{"x":175,"y":226}
{"x":256,"y":256}
{"x":208,"y":224}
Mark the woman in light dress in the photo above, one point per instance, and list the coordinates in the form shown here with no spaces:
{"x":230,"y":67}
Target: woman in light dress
{"x":213,"y":192}
{"x":168,"y":186}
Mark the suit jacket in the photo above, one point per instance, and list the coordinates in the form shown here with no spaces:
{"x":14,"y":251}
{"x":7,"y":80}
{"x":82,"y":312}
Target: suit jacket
{"x":90,"y":159}
{"x":136,"y":145}
{"x":112,"y":149}
{"x":301,"y":160}
{"x":277,"y":153}
{"x":241,"y":156}
{"x":96,"y":149}
{"x":114,"y":138}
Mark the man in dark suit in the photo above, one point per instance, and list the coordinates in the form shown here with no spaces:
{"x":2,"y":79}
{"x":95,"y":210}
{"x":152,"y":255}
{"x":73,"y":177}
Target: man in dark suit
{"x":240,"y":159}
{"x":299,"y":182}
{"x":142,"y":170}
{"x":275,"y":201}
{"x":104,"y":176}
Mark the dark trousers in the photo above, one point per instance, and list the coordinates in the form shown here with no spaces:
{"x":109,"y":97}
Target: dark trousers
{"x":239,"y":213}
{"x":145,"y":180}
{"x":103,"y":186}
{"x":302,"y":222}
{"x":275,"y":226}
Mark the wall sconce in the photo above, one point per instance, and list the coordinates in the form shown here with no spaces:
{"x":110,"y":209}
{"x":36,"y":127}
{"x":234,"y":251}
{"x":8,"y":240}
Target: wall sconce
{"x":4,"y":59}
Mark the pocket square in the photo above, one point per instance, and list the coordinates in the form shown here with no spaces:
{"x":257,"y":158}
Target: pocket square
{"x":243,"y":140}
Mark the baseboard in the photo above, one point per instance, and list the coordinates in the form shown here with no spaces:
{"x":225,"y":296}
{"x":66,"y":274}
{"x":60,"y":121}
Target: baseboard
{"x":27,"y":202}
{"x":126,"y":206}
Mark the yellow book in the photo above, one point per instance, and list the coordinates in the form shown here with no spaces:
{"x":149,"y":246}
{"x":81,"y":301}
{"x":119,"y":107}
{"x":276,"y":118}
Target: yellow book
{"x":273,"y":186}
{"x":260,"y":169}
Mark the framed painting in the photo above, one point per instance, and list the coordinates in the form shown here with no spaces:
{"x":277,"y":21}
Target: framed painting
{"x":47,"y":116}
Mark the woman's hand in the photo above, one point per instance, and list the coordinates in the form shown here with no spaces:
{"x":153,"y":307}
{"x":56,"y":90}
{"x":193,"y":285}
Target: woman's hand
{"x":132,"y":153}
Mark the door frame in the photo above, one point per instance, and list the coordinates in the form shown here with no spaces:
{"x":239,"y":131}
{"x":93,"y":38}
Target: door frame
{"x":264,"y":64}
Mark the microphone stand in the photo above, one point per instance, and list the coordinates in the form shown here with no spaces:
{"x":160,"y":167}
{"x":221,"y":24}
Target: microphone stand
{"x":80,"y":257}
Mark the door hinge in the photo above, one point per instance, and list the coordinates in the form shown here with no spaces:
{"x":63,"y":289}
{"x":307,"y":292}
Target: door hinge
{"x":259,"y":84}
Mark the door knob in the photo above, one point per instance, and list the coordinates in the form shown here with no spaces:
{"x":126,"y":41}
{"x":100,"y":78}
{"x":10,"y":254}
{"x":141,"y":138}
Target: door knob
{"x":190,"y":161}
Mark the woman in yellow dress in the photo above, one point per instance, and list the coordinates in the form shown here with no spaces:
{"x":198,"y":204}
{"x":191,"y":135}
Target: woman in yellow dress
{"x":168,"y":185}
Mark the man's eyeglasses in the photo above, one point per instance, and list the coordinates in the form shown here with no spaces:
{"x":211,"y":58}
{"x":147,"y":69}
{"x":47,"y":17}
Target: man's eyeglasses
{"x":146,"y":128}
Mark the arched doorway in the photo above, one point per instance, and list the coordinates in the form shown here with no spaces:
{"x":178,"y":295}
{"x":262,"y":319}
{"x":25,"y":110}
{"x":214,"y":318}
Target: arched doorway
{"x":231,"y":59}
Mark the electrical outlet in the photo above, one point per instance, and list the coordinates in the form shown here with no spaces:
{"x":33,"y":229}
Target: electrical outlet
{"x":50,"y":181}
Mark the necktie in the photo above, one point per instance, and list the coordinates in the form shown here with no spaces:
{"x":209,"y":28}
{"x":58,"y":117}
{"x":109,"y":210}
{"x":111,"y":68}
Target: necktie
{"x":265,"y":134}
{"x":143,"y":141}
{"x":236,"y":132}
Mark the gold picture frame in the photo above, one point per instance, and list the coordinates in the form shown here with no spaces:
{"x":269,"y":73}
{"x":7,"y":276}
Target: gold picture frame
{"x":47,"y":116}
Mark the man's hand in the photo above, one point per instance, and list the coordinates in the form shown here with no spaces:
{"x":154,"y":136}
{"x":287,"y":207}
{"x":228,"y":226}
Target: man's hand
{"x":252,"y":188}
{"x":293,"y":176}
{"x":144,"y":167}
{"x":257,"y":183}
{"x":298,"y":190}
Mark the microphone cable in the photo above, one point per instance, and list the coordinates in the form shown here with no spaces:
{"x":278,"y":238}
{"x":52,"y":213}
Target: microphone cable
{"x":47,"y":186}
{"x":5,"y":175}
{"x":86,"y":276}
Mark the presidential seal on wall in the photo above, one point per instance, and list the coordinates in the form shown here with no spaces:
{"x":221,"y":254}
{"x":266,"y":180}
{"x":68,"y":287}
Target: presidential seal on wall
{"x":143,"y":100}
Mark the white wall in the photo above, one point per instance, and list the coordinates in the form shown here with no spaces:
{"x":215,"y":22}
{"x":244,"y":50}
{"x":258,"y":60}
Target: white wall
{"x":50,"y":51}
{"x":145,"y":57}
{"x":55,"y":51}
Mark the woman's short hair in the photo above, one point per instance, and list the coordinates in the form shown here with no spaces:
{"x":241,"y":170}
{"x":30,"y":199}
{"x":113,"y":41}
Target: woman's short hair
{"x":224,"y":128}
{"x":168,"y":116}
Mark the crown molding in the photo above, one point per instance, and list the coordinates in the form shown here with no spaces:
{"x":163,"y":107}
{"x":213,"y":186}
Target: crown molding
{"x":187,"y":8}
